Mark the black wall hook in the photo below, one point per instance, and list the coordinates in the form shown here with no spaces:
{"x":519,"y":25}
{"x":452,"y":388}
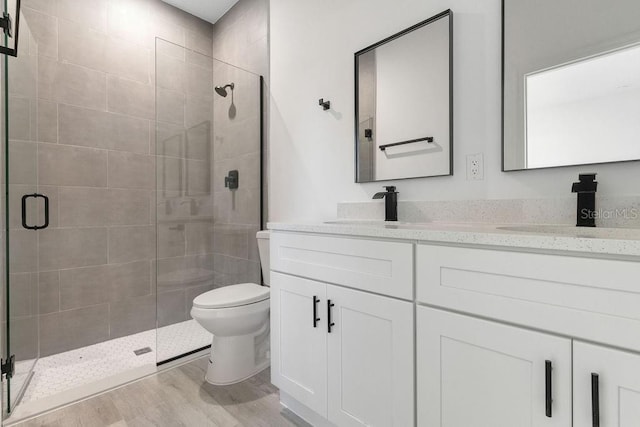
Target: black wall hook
{"x":325,"y":105}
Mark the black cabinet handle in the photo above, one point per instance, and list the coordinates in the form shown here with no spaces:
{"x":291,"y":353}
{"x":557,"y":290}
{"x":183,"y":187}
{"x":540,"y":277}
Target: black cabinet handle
{"x":329,"y":322}
{"x":595,"y":400}
{"x":548,"y":388}
{"x":316,"y":319}
{"x":24,"y":211}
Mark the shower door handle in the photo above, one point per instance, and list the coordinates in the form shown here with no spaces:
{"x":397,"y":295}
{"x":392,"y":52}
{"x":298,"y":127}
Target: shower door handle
{"x":24,"y":211}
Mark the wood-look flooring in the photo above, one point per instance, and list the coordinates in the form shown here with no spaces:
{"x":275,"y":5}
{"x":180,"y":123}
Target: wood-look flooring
{"x":178,"y":397}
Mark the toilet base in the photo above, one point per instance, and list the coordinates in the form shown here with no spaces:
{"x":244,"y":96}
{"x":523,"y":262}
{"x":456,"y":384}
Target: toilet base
{"x":235,"y":359}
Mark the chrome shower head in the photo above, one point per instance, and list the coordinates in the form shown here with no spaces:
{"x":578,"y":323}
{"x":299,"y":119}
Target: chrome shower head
{"x":222,"y":90}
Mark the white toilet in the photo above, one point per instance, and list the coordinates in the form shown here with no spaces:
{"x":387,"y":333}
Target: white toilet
{"x":238,"y":318}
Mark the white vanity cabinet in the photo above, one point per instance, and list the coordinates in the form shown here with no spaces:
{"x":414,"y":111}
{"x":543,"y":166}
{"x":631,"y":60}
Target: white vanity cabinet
{"x":477,"y":373}
{"x":367,"y":331}
{"x":298,"y":340}
{"x":606,"y":386}
{"x":346,"y":354}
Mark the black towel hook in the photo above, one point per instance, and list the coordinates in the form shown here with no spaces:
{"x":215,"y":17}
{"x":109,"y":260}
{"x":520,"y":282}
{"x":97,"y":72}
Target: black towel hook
{"x":325,"y":104}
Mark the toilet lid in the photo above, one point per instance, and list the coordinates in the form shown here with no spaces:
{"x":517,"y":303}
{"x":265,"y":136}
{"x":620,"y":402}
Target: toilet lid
{"x":232,"y":296}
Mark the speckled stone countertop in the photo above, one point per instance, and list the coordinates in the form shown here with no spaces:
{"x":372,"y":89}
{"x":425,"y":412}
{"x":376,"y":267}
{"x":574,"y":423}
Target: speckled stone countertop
{"x":607,"y":242}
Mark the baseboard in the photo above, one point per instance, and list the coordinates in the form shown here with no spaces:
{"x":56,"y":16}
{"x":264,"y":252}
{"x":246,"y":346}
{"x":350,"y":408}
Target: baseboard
{"x":303,"y":412}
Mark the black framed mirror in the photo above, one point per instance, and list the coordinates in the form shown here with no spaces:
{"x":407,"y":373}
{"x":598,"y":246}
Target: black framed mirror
{"x":10,"y":26}
{"x":404,"y":103}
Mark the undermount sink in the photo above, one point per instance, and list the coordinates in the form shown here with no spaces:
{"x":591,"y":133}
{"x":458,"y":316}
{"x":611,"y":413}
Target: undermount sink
{"x":571,"y":231}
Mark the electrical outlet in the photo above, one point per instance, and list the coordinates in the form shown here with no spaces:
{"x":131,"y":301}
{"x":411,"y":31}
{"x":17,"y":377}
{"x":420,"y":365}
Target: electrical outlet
{"x":475,"y":167}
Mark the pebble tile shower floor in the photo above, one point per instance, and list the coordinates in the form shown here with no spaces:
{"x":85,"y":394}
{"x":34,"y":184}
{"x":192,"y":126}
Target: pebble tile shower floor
{"x":64,"y":371}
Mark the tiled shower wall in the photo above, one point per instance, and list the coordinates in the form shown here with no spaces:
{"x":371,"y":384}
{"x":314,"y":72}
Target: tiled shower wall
{"x":94,"y":148}
{"x":239,"y":38}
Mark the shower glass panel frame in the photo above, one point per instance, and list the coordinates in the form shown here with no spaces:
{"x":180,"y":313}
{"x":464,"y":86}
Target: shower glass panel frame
{"x":205,"y":232}
{"x":22,"y":216}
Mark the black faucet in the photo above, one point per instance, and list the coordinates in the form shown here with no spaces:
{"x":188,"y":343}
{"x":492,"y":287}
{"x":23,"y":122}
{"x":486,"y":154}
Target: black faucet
{"x":390,"y":203}
{"x":586,"y":189}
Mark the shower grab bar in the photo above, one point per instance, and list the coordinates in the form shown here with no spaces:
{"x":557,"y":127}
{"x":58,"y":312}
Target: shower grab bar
{"x":24,"y":211}
{"x":429,"y":139}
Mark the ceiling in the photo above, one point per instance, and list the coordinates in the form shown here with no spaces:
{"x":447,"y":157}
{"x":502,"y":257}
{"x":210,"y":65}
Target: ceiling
{"x":209,"y":10}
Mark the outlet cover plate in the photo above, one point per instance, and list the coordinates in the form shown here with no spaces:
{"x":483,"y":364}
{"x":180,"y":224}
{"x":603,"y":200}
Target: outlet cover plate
{"x":475,"y":167}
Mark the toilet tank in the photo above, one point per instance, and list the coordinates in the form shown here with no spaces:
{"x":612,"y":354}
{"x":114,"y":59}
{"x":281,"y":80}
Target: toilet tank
{"x":263,"y":250}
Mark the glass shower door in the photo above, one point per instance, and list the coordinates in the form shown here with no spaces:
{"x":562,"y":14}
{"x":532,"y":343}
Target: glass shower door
{"x":209,"y":181}
{"x":23,"y":213}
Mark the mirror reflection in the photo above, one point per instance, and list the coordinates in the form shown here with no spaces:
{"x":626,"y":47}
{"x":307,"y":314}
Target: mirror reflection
{"x":572,"y":120}
{"x":403,"y":104}
{"x":571,"y":83}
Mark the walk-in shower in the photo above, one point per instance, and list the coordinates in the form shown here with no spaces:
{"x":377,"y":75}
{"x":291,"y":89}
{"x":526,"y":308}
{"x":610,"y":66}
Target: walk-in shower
{"x":131,"y":150}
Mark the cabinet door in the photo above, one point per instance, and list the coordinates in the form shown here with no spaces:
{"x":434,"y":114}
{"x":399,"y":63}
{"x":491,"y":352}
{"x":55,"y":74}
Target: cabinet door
{"x":476,"y":373}
{"x":298,"y":349}
{"x":371,"y":362}
{"x":616,"y":383}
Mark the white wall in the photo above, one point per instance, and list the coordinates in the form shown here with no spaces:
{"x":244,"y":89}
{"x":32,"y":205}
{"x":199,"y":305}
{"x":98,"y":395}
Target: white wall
{"x":312,"y":154}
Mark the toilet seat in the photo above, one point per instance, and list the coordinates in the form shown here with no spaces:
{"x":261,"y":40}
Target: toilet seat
{"x":232,"y":296}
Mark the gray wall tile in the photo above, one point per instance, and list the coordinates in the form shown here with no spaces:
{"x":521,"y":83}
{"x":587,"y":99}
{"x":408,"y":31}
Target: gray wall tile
{"x":171,"y":240}
{"x":130,"y":244}
{"x":45,"y":6}
{"x":20,"y":112}
{"x":99,"y":129}
{"x":82,"y":287}
{"x":132,"y":316}
{"x":82,"y":45}
{"x":71,"y":166}
{"x":47,"y":121}
{"x":44,"y":29}
{"x":129,"y":280}
{"x":90,"y":13}
{"x":78,"y":206}
{"x":171,"y":70}
{"x":23,"y":153}
{"x":24,"y":251}
{"x":128,"y":60}
{"x":129,"y":170}
{"x":24,"y":339}
{"x":199,"y":42}
{"x":130,"y":207}
{"x":23,"y":298}
{"x":199,"y":238}
{"x":229,"y":239}
{"x":71,"y":84}
{"x":61,"y":248}
{"x":131,"y":98}
{"x":171,"y":308}
{"x":67,"y":330}
{"x":170,"y":106}
{"x":49,"y":292}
